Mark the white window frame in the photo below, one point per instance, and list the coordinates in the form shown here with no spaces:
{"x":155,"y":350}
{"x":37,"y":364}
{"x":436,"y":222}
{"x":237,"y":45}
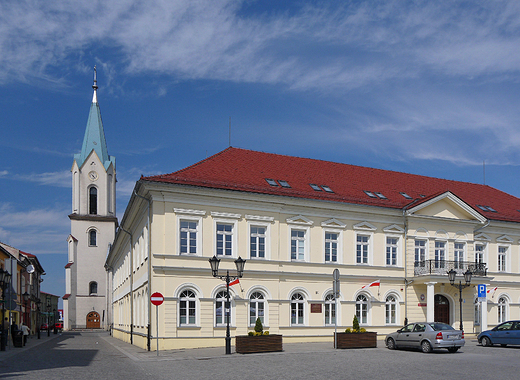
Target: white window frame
{"x":502,"y":258}
{"x":233,"y":235}
{"x":440,"y":254}
{"x":482,"y":252}
{"x":330,"y":308}
{"x":266,"y":240}
{"x":338,"y":245}
{"x":503,"y":309}
{"x":188,"y":299}
{"x":198,"y":238}
{"x":368,"y":244}
{"x":306,"y":243}
{"x":256,"y":301}
{"x":301,"y":305}
{"x":360,"y":305}
{"x":459,"y":255}
{"x":222,"y":300}
{"x":388,"y":309}
{"x":423,"y":248}
{"x":397,"y":246}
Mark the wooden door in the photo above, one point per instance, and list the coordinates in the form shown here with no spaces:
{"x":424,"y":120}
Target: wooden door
{"x":442,"y":309}
{"x":93,"y":320}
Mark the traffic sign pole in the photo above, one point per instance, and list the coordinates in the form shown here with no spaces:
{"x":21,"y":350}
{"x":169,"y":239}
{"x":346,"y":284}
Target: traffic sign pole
{"x":157,"y":299}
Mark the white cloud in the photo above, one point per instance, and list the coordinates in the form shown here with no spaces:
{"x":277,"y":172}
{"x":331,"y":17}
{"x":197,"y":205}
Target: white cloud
{"x":57,"y":179}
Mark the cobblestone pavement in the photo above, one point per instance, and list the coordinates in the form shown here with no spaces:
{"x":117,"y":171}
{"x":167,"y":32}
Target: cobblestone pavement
{"x":95,"y":354}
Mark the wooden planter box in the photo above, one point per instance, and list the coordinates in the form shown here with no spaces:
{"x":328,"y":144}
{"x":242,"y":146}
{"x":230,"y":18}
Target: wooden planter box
{"x":246,"y":344}
{"x":356,"y":340}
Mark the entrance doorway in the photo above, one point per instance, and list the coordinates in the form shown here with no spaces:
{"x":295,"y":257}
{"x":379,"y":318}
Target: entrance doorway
{"x":93,"y":320}
{"x":442,"y":309}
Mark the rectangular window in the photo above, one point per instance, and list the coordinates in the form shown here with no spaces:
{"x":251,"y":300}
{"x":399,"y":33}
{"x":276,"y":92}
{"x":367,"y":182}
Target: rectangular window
{"x":225,"y":239}
{"x":257,"y":242}
{"x":420,"y":253}
{"x":502,"y":256}
{"x":440,"y":254}
{"x":331,"y":247}
{"x":297,"y":245}
{"x":362,"y":249}
{"x":188,"y":232}
{"x":479,"y":254}
{"x":391,"y":251}
{"x":458,"y":255}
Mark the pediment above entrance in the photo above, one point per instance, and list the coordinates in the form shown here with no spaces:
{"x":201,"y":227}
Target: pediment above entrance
{"x":447,"y":206}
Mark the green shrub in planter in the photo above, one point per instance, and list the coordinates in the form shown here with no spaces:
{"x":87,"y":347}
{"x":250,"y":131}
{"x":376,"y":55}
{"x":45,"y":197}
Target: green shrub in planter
{"x":258,"y":326}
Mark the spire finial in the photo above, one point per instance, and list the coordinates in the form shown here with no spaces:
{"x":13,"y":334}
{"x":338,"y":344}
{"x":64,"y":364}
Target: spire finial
{"x":94,"y":86}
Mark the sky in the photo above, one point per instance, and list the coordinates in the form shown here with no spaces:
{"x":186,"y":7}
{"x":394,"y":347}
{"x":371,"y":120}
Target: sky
{"x":423,"y":87}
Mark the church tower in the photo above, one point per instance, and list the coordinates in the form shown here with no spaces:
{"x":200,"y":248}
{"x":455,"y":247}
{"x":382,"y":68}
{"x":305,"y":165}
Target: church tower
{"x":93,"y":223}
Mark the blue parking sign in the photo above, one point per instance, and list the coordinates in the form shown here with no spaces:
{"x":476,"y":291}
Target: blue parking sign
{"x":481,"y":291}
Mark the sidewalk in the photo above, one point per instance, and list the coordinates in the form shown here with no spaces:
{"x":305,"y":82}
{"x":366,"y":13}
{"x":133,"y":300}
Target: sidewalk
{"x":32,"y":341}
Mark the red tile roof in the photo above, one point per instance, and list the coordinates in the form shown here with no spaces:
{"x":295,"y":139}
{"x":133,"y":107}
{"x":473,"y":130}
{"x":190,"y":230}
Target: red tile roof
{"x":246,"y":170}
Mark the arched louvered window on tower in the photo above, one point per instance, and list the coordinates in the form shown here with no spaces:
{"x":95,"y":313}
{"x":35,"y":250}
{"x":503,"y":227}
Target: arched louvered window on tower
{"x":92,"y":201}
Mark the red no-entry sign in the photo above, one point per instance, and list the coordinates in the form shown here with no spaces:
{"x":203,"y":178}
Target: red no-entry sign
{"x":157,"y":299}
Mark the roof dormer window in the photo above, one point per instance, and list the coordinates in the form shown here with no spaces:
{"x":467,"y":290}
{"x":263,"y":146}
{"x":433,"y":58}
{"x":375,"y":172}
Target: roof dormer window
{"x":284,"y":183}
{"x":315,"y":187}
{"x":405,"y":195}
{"x":380,"y":195}
{"x":370,"y":194}
{"x":271,"y":182}
{"x":327,"y":189}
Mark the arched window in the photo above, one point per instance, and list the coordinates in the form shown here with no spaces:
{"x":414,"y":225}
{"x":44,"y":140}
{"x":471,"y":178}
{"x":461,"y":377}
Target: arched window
{"x":92,"y":288}
{"x":502,"y":310}
{"x":220,"y":309}
{"x":391,"y":309}
{"x":297,"y":309}
{"x":187,"y":308}
{"x":92,"y":201}
{"x":362,"y":308}
{"x":256,"y":308}
{"x":330,"y":309}
{"x":92,"y":238}
{"x":477,"y":308}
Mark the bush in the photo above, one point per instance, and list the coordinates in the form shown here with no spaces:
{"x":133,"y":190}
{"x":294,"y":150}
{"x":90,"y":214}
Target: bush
{"x":347,"y":330}
{"x":251,"y":333}
{"x":258,"y":326}
{"x":355,"y":324}
{"x":266,"y":332}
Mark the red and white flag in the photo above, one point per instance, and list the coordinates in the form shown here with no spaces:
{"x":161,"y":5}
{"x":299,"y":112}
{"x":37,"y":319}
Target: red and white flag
{"x":493,"y":290}
{"x":234,"y":282}
{"x":375,"y":283}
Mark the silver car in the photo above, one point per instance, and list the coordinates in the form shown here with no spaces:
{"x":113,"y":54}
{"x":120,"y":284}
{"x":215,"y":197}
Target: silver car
{"x":427,"y":336}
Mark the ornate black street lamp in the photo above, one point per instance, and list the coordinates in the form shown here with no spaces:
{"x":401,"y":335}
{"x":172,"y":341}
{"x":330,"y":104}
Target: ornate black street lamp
{"x":467,"y":278}
{"x":5,"y":278}
{"x":240,"y":263}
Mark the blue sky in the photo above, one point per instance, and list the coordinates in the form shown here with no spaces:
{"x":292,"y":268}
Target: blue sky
{"x":424,"y":87}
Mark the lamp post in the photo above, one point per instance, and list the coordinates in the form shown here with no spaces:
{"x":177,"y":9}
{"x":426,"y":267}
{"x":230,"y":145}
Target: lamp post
{"x":239,"y":263}
{"x":38,"y":322}
{"x":5,"y":278}
{"x":467,"y":278}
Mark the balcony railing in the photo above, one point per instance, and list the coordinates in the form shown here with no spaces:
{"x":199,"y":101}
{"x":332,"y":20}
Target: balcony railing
{"x":442,"y":267}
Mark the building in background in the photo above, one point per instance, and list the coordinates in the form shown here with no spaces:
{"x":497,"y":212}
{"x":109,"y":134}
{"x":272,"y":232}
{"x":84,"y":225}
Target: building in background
{"x":49,"y":313}
{"x":26,"y":276}
{"x":93,"y":224}
{"x":392,"y":236}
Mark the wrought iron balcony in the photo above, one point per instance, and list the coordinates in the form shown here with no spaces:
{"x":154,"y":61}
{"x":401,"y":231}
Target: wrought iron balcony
{"x":442,"y":267}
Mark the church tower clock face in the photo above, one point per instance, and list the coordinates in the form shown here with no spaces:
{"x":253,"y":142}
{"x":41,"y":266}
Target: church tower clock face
{"x":93,"y":176}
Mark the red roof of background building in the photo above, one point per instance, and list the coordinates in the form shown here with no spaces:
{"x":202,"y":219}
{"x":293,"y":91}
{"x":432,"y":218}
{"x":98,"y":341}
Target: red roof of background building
{"x":246,"y":170}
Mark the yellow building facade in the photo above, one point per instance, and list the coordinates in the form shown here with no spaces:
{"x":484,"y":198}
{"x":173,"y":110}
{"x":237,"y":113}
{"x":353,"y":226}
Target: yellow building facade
{"x":292,"y":239}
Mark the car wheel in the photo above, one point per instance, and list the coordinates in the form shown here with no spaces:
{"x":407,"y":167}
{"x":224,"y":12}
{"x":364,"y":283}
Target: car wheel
{"x":426,"y":347}
{"x":453,"y":349}
{"x":390,"y":343}
{"x":486,"y":342}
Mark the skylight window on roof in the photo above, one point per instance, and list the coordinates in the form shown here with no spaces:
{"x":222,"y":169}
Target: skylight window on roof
{"x":315,"y":187}
{"x":380,"y":195}
{"x":486,"y":208}
{"x":284,"y":183}
{"x":370,"y":194}
{"x":327,"y":189}
{"x":271,"y":182}
{"x":405,"y":195}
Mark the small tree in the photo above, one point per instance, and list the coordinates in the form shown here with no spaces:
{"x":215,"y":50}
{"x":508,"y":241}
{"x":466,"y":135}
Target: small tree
{"x":355,"y":324}
{"x":258,"y":326}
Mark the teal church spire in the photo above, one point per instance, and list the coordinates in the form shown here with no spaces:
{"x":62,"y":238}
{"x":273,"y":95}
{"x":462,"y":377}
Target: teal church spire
{"x":94,"y":134}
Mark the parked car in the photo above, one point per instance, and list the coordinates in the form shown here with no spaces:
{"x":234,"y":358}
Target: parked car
{"x":58,"y":325}
{"x":503,"y":334}
{"x":427,"y":336}
{"x":44,"y":327}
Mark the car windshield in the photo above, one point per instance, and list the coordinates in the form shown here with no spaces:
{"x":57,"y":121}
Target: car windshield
{"x":441,"y":326}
